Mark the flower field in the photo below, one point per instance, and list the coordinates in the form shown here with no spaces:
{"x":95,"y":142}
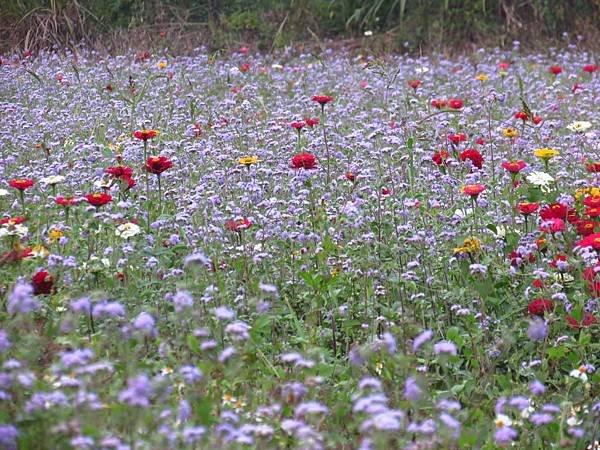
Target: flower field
{"x":299,"y":251}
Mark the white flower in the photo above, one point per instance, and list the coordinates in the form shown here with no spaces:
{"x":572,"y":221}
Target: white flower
{"x":127,"y":230}
{"x":101,"y":184}
{"x":422,"y":69}
{"x":527,"y":412}
{"x":503,"y":420}
{"x":579,"y":373}
{"x":368,"y":33}
{"x":13,"y":230}
{"x":234,"y":71}
{"x":580,"y":126}
{"x":541,"y":179}
{"x":53,"y":179}
{"x":463,"y":212}
{"x":4,"y":192}
{"x":573,"y":421}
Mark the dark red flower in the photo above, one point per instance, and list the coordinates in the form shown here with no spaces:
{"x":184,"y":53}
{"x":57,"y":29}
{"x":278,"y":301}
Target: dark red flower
{"x":514,"y":166}
{"x":537,"y":120}
{"x":585,"y":227}
{"x":98,"y":200}
{"x":158,"y":164}
{"x":238,"y":225}
{"x":474,"y":156}
{"x":576,"y":87}
{"x":517,"y":259}
{"x":144,"y":135}
{"x":590,"y":68}
{"x":539,"y":306}
{"x":439,"y":104}
{"x":522,"y":115}
{"x":298,"y":125}
{"x":322,"y":99}
{"x":592,"y":201}
{"x":42,"y":283}
{"x":304,"y":161}
{"x":555,"y":70}
{"x":66,"y":201}
{"x":350,"y":176}
{"x":455,"y":103}
{"x":554,"y":211}
{"x":440,"y":157}
{"x":591,"y":240}
{"x":385,"y":191}
{"x":21,"y":184}
{"x":527,"y":208}
{"x":557,"y":259}
{"x":311,"y":122}
{"x":245,"y":67}
{"x":415,"y":84}
{"x":119,"y":171}
{"x":593,"y":167}
{"x":480,"y":141}
{"x":592,"y":211}
{"x":456,"y":138}
{"x":588,"y":320}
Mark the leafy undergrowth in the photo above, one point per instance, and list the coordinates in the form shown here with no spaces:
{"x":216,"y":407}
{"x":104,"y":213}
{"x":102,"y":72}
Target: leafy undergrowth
{"x":288,"y":252}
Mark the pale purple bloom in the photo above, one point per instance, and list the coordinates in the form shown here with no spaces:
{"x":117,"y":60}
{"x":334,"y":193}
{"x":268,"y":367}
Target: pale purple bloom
{"x":538,"y":330}
{"x":445,"y":347}
{"x":138,"y":392}
{"x":182,"y":300}
{"x":227,"y":353}
{"x":4,"y":341}
{"x":412,"y":391}
{"x":537,"y":388}
{"x":504,"y":435}
{"x":8,"y":436}
{"x":421,"y":339}
{"x":451,"y":423}
{"x":21,"y":300}
{"x":541,"y":419}
{"x":144,"y":323}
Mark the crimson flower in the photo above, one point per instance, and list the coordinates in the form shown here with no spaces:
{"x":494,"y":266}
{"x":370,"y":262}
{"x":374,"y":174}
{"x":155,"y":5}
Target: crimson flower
{"x":555,"y":70}
{"x":554,"y":211}
{"x":298,"y":125}
{"x":350,"y":176}
{"x":473,"y":189}
{"x":415,"y":84}
{"x":522,"y":115}
{"x":455,"y":103}
{"x":440,"y":157}
{"x":158,"y":164}
{"x":539,"y":306}
{"x":591,"y":276}
{"x":585,"y":227}
{"x":514,"y":166}
{"x":304,"y":161}
{"x":474,"y":156}
{"x":537,"y":120}
{"x":592,"y":240}
{"x":119,"y":171}
{"x":238,"y":225}
{"x":311,"y":122}
{"x":42,"y":283}
{"x":503,"y":65}
{"x":592,"y":201}
{"x":456,"y":138}
{"x":593,"y":167}
{"x":527,"y":208}
{"x":245,"y":67}
{"x":590,"y":68}
{"x":552,"y":225}
{"x":322,"y":99}
{"x":98,"y":200}
{"x":439,"y":104}
{"x":587,"y":320}
{"x":66,"y":201}
{"x":144,"y":135}
{"x":13,"y":220}
{"x":592,"y":211}
{"x":21,"y":184}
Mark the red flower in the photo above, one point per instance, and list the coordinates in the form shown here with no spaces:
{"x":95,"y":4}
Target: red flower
{"x":576,"y":87}
{"x":537,"y":120}
{"x":456,"y":138}
{"x":439,"y":104}
{"x":590,"y":68}
{"x":245,"y":67}
{"x":298,"y":125}
{"x":554,"y":211}
{"x":522,"y":115}
{"x":455,"y":103}
{"x":21,"y":184}
{"x":539,"y":306}
{"x":552,"y":225}
{"x":42,"y":283}
{"x":474,"y":156}
{"x":517,"y":259}
{"x":588,"y":320}
{"x":304,"y":161}
{"x":473,"y":189}
{"x":158,"y":165}
{"x":514,"y":166}
{"x":557,"y":259}
{"x":415,"y":84}
{"x":503,"y":65}
{"x":385,"y":191}
{"x":527,"y":208}
{"x":66,"y":201}
{"x":585,"y":227}
{"x":480,"y":141}
{"x":144,"y":135}
{"x":592,"y":201}
{"x":592,"y":278}
{"x":119,"y":171}
{"x":98,"y":200}
{"x":238,"y":225}
{"x":440,"y":157}
{"x":311,"y":122}
{"x":322,"y":99}
{"x":591,"y":240}
{"x":593,"y":167}
{"x":555,"y":70}
{"x":592,"y":212}
{"x":350,"y":176}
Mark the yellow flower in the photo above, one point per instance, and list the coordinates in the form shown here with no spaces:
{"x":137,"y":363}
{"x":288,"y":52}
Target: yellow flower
{"x":248,"y":160}
{"x":482,"y":77}
{"x":39,"y":251}
{"x":503,"y":73}
{"x":582,"y":192}
{"x":545,"y":153}
{"x":470,"y":245}
{"x":162,"y":65}
{"x":458,"y":250}
{"x":510,"y":132}
{"x":54,"y":235}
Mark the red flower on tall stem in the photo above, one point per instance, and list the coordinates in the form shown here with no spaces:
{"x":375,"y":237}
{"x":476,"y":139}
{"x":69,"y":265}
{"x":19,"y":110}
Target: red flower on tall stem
{"x":527,"y":208}
{"x":590,"y":68}
{"x":555,"y":70}
{"x":514,"y":166}
{"x":322,"y":99}
{"x":119,"y":171}
{"x":455,"y":103}
{"x":456,"y":138}
{"x":42,"y":283}
{"x":98,"y":200}
{"x":238,"y":225}
{"x":66,"y":201}
{"x":21,"y":184}
{"x":473,"y":189}
{"x":539,"y":306}
{"x":158,"y":164}
{"x":472,"y":155}
{"x":439,"y":104}
{"x":304,"y":161}
{"x":440,"y":158}
{"x":144,"y":135}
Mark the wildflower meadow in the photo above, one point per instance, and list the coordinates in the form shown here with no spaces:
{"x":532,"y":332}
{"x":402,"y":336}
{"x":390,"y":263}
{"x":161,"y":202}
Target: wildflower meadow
{"x":327,"y":250}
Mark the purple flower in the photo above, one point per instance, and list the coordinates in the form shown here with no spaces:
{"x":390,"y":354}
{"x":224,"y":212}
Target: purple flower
{"x":504,"y":435}
{"x":537,"y":388}
{"x":76,"y":357}
{"x":538,"y":330}
{"x":445,"y":347}
{"x":193,"y":434}
{"x":81,"y":306}
{"x":451,"y":423}
{"x":20,"y":300}
{"x":108,"y":309}
{"x":190,"y":374}
{"x":8,"y":437}
{"x":224,"y":313}
{"x":310,"y":408}
{"x":182,"y":300}
{"x":4,"y":341}
{"x":138,"y":392}
{"x":226,"y":354}
{"x":421,"y":339}
{"x":541,"y":419}
{"x":412,"y":391}
{"x":144,"y":323}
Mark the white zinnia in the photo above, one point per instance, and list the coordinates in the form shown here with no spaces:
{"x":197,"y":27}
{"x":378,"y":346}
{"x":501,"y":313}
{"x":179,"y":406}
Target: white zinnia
{"x":13,"y":230}
{"x":541,"y":179}
{"x":580,"y":373}
{"x":53,"y":179}
{"x":127,"y":230}
{"x":580,"y":126}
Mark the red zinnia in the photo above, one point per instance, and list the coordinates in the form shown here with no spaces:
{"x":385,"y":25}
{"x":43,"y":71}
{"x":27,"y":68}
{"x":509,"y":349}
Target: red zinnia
{"x":144,"y":135}
{"x":555,"y":70}
{"x":585,"y":227}
{"x":304,"y":161}
{"x":456,"y":138}
{"x":593,"y":167}
{"x":537,"y":120}
{"x":473,"y":189}
{"x":298,"y":125}
{"x":438,"y":103}
{"x":98,"y":200}
{"x":522,"y":115}
{"x":554,"y":211}
{"x":12,"y":220}
{"x":66,"y":201}
{"x":415,"y":84}
{"x":42,"y":283}
{"x":592,"y":201}
{"x":503,"y":66}
{"x":514,"y":166}
{"x":592,"y":240}
{"x":158,"y":165}
{"x":552,"y":225}
{"x":21,"y":184}
{"x":311,"y":122}
{"x":455,"y":103}
{"x":119,"y":171}
{"x":238,"y":225}
{"x":588,"y":319}
{"x":474,"y":156}
{"x":322,"y":99}
{"x":526,"y":208}
{"x":539,"y":306}
{"x":245,"y":67}
{"x":589,"y":68}
{"x":440,"y":157}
